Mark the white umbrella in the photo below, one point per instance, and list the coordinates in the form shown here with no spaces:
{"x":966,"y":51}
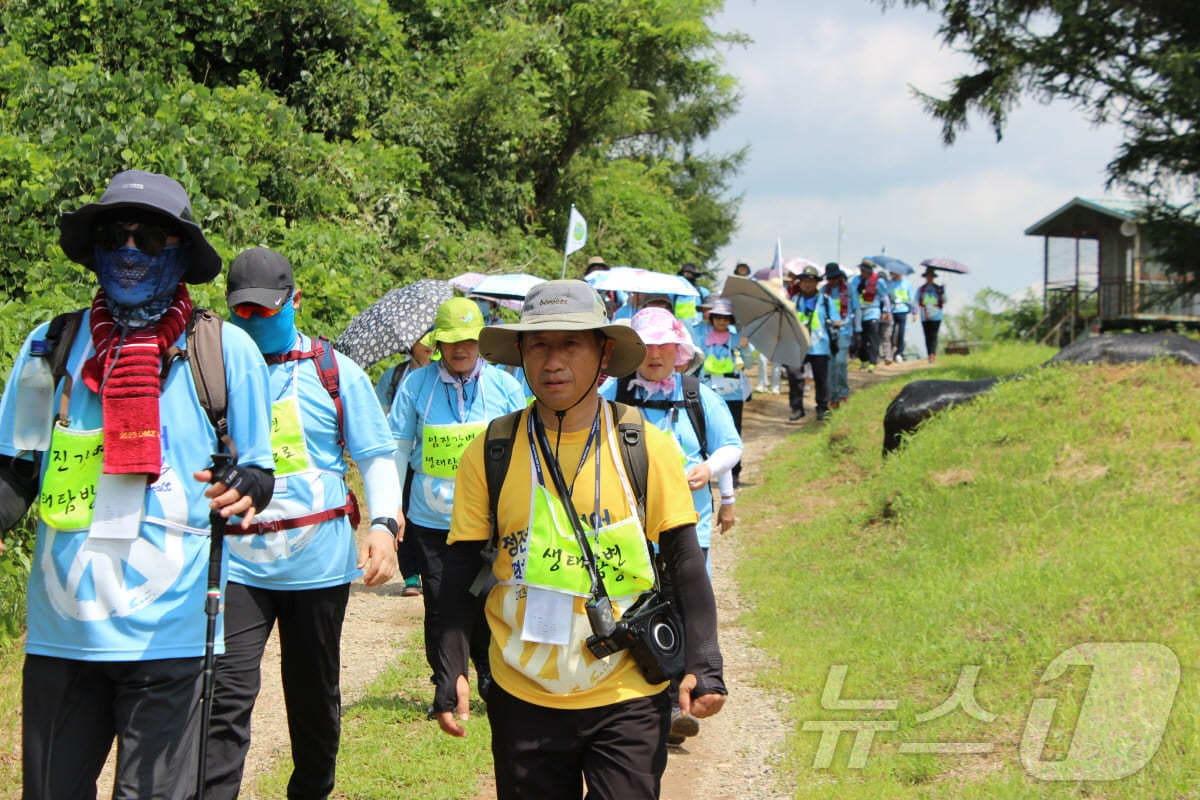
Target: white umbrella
{"x":643,"y":281}
{"x":512,"y":286}
{"x":767,"y":320}
{"x":794,"y":266}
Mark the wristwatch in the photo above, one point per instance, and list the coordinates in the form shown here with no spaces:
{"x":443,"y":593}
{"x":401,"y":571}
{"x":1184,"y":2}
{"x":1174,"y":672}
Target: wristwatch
{"x":392,"y":526}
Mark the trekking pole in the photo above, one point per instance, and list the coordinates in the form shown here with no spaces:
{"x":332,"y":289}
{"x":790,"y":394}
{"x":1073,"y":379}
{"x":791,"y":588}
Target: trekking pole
{"x":212,"y":607}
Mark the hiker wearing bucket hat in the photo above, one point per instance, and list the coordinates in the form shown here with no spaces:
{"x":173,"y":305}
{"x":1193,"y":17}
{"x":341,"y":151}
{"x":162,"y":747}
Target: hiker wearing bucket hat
{"x":438,"y":411}
{"x":931,"y":299}
{"x":118,"y":579}
{"x":702,"y":425}
{"x":568,"y":702}
{"x":838,"y":292}
{"x":725,"y":359}
{"x":822,"y":318}
{"x":297,"y":572}
{"x":870,"y":289}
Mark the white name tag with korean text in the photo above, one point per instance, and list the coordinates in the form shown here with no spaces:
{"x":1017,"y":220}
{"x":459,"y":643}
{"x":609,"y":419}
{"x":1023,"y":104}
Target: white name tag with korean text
{"x":547,"y":616}
{"x":120,"y":500}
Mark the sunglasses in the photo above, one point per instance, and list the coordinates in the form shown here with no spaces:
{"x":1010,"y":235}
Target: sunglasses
{"x":248,"y":310}
{"x":148,"y":237}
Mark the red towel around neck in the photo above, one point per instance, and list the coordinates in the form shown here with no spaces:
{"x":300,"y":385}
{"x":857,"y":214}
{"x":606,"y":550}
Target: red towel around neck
{"x":126,"y":372}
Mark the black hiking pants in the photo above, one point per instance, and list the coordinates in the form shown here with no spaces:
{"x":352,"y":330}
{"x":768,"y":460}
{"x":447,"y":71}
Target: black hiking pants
{"x":544,"y":753}
{"x":73,"y":709}
{"x":820,"y":372}
{"x":310,"y":633}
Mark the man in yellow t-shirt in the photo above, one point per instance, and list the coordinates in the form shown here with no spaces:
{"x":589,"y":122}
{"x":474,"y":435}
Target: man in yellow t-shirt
{"x":559,"y":715}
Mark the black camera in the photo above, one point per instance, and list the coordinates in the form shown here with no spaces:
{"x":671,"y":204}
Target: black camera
{"x":652,"y":633}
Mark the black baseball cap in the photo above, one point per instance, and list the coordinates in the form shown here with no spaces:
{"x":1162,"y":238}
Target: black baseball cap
{"x":260,"y":276}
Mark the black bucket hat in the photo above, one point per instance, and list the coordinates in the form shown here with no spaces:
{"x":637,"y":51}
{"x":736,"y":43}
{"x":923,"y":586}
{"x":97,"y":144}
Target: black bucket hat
{"x":833,"y":271}
{"x":147,"y":191}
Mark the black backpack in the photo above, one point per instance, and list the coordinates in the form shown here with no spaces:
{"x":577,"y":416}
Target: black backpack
{"x":691,"y":404}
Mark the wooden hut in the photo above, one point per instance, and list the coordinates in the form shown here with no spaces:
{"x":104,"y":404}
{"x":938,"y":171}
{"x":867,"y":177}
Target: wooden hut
{"x":1098,"y":271}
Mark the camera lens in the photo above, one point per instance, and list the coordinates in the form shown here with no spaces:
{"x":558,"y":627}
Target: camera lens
{"x":664,"y":636}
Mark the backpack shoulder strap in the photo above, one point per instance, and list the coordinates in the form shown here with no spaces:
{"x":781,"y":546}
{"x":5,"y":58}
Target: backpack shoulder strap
{"x":624,"y":393}
{"x":497,"y":453}
{"x":60,"y":335}
{"x":327,"y":369}
{"x":695,"y":411}
{"x":206,"y":359}
{"x":631,"y":436}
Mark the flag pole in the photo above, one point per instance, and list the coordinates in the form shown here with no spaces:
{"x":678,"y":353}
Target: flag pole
{"x":567,"y":242}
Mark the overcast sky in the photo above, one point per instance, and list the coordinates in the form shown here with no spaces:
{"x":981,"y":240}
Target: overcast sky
{"x":834,"y":130}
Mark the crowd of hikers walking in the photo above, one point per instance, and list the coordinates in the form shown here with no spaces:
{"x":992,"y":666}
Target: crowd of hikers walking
{"x":545,"y":484}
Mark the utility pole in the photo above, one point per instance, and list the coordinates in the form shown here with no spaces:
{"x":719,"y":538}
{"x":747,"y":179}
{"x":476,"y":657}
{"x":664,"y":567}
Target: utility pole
{"x":841,"y":232}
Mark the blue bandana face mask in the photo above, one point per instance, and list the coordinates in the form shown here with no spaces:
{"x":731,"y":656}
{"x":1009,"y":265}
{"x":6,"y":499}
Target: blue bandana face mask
{"x":272,"y":334}
{"x":139,"y":286}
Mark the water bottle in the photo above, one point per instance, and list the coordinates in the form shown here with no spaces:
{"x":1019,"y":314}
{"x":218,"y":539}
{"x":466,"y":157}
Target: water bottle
{"x":35,"y":400}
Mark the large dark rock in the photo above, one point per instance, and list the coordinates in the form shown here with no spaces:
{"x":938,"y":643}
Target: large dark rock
{"x":1129,"y":348}
{"x":920,"y":400}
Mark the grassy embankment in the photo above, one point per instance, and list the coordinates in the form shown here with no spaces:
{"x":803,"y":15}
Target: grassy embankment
{"x":1057,"y":510}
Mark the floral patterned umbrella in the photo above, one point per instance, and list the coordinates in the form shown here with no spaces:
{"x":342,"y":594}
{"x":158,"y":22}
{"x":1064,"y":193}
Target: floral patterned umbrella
{"x":391,"y":325}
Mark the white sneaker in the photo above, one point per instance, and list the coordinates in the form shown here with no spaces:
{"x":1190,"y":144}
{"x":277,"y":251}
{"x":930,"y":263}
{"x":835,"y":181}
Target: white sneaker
{"x":761,"y":388}
{"x":774,"y":390}
{"x":899,"y":358}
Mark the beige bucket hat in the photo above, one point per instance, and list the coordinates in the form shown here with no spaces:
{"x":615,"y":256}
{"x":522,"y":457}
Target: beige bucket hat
{"x":566,"y":305}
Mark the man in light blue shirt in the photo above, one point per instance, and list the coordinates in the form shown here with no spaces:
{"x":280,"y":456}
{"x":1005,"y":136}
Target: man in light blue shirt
{"x":438,"y":411}
{"x":116,"y":601}
{"x":822,"y":318}
{"x":297,"y":570}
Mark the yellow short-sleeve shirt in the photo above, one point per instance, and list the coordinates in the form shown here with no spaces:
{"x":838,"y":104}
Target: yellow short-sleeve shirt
{"x":563,"y":676}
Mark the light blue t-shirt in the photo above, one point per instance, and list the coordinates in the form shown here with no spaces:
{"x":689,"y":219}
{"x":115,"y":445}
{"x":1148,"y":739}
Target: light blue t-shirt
{"x":324,"y":554}
{"x":431,"y":396}
{"x":384,"y":389}
{"x":143,"y":598}
{"x":846,"y":332}
{"x":901,"y":293}
{"x":719,"y":431}
{"x":728,"y":389}
{"x":870,"y":311}
{"x":927,"y":301}
{"x":818,"y":330}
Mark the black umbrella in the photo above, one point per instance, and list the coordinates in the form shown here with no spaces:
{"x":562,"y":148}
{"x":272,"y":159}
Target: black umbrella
{"x":394,"y":323}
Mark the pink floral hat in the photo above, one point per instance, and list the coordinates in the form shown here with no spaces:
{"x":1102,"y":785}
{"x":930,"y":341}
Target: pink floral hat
{"x":659,"y":326}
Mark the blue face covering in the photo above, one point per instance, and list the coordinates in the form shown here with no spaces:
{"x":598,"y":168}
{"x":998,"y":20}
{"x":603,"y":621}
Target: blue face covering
{"x":272,"y":334}
{"x":139,"y":286}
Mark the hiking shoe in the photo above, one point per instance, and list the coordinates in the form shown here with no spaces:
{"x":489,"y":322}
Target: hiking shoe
{"x":682,"y":725}
{"x":795,"y":415}
{"x":412,"y":586}
{"x":823,"y":415}
{"x":674,"y":740}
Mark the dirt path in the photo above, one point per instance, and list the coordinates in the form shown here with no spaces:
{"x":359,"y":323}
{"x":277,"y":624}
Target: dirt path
{"x":735,"y":754}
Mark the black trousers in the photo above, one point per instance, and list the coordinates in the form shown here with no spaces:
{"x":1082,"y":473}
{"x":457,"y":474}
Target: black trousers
{"x":73,"y":709}
{"x":310,"y":633}
{"x":870,"y":341}
{"x":899,"y":326}
{"x":930,"y":326}
{"x":820,"y":371}
{"x":408,"y":554}
{"x":735,"y":409}
{"x":431,"y":559}
{"x":547,"y":753}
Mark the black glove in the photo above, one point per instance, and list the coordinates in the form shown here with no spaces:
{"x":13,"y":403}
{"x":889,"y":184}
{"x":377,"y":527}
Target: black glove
{"x":255,"y":482}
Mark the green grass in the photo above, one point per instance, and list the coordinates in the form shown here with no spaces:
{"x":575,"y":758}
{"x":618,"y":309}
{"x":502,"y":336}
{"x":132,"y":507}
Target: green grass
{"x":390,"y":750}
{"x":1058,"y":509}
{"x":12,"y":655}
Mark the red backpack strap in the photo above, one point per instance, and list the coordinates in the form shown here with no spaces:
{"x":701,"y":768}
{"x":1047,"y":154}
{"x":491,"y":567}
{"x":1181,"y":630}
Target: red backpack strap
{"x":327,"y":369}
{"x":325,"y":361}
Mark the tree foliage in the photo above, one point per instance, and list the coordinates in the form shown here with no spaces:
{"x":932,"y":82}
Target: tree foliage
{"x":371,"y":142}
{"x":1135,"y":63}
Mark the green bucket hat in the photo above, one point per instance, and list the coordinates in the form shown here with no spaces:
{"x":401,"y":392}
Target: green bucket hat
{"x":565,"y":305}
{"x":458,"y":320}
